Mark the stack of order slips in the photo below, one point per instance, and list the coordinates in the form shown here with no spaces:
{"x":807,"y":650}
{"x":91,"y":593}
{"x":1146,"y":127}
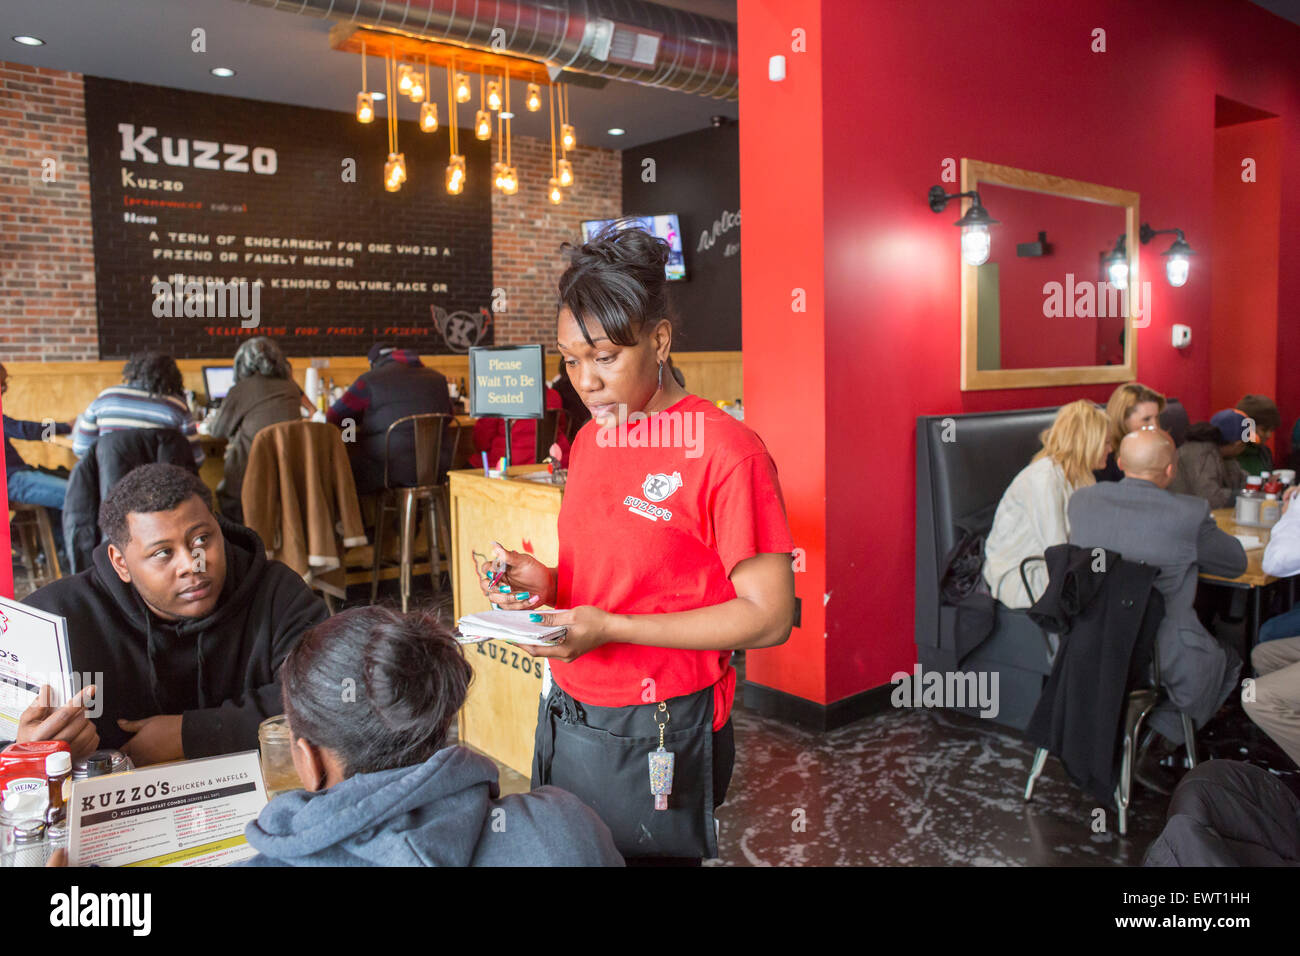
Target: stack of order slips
{"x":512,"y":626}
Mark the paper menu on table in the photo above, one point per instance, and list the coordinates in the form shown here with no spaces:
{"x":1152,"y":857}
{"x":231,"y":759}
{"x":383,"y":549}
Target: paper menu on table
{"x":505,"y":626}
{"x":189,"y":813}
{"x":1249,"y":542}
{"x":33,"y":651}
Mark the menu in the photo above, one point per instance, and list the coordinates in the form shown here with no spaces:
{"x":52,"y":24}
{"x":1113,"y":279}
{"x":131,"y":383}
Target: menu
{"x":189,"y":813}
{"x":33,"y":651}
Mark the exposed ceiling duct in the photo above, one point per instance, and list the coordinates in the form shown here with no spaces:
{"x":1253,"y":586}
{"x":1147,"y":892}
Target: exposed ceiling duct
{"x":630,"y":40}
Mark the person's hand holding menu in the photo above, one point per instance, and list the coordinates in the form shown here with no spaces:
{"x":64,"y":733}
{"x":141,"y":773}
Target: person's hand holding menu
{"x":33,"y":652}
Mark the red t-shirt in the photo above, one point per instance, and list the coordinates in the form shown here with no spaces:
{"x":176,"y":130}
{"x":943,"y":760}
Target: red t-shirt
{"x":655,"y":516}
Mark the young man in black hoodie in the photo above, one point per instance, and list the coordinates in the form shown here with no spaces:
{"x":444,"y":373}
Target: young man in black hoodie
{"x":184,"y":617}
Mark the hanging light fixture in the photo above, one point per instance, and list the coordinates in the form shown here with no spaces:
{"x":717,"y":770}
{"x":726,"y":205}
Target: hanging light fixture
{"x":365,"y":102}
{"x":510,"y":185}
{"x":463,"y":91}
{"x":454,"y":179}
{"x":482,"y":119}
{"x":494,"y":95}
{"x":976,"y":243}
{"x":1116,"y":264}
{"x":395,"y":167}
{"x":404,"y":79}
{"x":534,"y":101}
{"x":553,"y":192}
{"x":1177,"y":264}
{"x":567,"y":135}
{"x":564,"y":168}
{"x":429,"y":109}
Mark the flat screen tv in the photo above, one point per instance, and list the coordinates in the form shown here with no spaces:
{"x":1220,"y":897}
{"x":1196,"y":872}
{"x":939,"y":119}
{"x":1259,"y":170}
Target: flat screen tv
{"x":665,"y":227}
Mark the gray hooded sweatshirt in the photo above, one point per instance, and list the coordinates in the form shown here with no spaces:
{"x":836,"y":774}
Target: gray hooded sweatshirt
{"x":446,"y":811}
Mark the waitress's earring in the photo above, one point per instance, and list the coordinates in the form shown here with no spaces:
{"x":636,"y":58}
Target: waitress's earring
{"x":661,"y":377}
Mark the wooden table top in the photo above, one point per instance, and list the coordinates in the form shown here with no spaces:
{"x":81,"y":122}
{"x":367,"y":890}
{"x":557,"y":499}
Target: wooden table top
{"x":1254,"y":576}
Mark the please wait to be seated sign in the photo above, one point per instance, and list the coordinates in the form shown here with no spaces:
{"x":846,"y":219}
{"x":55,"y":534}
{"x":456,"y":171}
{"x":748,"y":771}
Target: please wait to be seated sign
{"x":506,"y":382}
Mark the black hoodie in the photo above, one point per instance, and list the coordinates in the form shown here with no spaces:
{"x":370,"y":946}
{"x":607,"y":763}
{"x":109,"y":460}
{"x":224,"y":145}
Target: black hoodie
{"x":220,"y":672}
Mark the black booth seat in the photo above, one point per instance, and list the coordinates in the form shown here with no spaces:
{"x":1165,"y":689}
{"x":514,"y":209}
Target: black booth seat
{"x":964,"y":463}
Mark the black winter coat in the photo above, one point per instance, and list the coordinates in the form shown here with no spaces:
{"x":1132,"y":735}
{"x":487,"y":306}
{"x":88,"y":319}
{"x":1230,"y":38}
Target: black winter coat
{"x":220,"y":672}
{"x":109,"y":459}
{"x":1107,"y":611}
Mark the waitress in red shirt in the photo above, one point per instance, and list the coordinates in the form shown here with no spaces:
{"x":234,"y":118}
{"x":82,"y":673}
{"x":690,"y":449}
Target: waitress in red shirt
{"x":674,"y":550}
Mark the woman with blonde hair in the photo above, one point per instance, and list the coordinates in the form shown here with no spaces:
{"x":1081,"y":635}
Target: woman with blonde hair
{"x":1132,"y":406}
{"x":1031,"y":517}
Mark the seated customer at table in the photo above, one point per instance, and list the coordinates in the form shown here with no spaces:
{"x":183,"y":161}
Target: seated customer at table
{"x":1262,"y":411}
{"x":1176,"y":533}
{"x":1132,"y":406}
{"x":398,"y":384}
{"x":490,"y":436}
{"x":153,"y":396}
{"x":1031,"y":517}
{"x":382,"y":787}
{"x":1274,"y":703}
{"x":184,"y":617}
{"x":1207,"y":466}
{"x":264,"y":394}
{"x":23,"y":482}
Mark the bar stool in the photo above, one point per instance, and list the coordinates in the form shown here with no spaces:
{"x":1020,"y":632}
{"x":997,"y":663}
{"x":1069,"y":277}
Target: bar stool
{"x":32,"y":523}
{"x":430,"y":431}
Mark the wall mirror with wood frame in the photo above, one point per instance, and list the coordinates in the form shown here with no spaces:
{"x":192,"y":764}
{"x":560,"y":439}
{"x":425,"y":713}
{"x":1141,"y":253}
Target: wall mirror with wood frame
{"x":1043,"y":310}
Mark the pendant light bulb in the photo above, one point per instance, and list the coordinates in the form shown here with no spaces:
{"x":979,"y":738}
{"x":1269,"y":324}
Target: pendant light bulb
{"x":975,"y":244}
{"x":554,"y":193}
{"x":567,"y":137}
{"x":534,"y":101}
{"x":429,"y":117}
{"x":392,"y":179}
{"x":482,"y":125}
{"x":365,"y":108}
{"x":404,"y":79}
{"x":455,"y":178}
{"x":463,"y":92}
{"x":417,"y":90}
{"x":494,"y":95}
{"x":566,"y":172}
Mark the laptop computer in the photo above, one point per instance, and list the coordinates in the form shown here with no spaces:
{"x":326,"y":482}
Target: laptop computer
{"x":217,"y":381}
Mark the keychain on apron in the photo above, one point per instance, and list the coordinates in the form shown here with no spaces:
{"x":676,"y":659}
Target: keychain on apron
{"x":661,"y":765}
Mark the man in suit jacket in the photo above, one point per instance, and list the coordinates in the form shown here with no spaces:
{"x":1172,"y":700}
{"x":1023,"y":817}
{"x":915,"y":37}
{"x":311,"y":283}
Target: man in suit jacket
{"x":1143,"y":521}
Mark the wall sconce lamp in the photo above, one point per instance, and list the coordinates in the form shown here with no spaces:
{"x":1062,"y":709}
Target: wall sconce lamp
{"x":975,"y":239}
{"x":1177,"y":265}
{"x":1116,"y":264}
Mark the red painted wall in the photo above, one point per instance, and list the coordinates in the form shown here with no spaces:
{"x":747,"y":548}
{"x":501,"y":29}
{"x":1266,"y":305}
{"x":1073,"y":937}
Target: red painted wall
{"x":907,"y":84}
{"x":781,"y":189}
{"x":1244,"y":270}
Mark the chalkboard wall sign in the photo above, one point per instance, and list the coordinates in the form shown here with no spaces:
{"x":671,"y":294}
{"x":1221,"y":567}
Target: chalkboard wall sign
{"x":697,"y":176}
{"x":217,"y":218}
{"x":506,"y":382}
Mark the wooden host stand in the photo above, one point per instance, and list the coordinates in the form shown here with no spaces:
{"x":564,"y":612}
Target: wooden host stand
{"x":500,"y":714}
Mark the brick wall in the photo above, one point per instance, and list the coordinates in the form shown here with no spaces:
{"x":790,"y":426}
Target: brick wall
{"x":47,"y":288}
{"x":527,"y":231}
{"x":47,"y":267}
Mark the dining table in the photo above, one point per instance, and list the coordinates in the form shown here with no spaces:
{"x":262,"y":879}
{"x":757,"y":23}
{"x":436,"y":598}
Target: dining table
{"x":1254,"y":581}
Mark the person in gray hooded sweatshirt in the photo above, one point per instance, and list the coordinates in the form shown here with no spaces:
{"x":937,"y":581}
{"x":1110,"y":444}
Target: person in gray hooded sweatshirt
{"x":370,"y":695}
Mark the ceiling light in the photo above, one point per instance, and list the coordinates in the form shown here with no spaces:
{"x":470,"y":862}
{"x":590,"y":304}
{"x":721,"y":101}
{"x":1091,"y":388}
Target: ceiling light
{"x":616,"y":131}
{"x":222,"y":71}
{"x":506,"y":114}
{"x":429,"y":117}
{"x":377,"y":97}
{"x":365,"y":108}
{"x":462,"y":88}
{"x":26,"y":40}
{"x":534,"y":97}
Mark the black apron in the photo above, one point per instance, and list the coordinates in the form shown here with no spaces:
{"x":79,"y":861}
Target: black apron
{"x":600,"y":754}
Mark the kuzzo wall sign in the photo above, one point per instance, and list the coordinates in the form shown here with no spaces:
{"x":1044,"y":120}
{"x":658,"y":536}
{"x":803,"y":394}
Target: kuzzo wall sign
{"x":218,"y":218}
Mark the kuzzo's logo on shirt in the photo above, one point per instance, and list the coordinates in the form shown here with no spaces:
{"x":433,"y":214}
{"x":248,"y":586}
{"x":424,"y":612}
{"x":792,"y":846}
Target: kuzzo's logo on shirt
{"x":656,"y":488}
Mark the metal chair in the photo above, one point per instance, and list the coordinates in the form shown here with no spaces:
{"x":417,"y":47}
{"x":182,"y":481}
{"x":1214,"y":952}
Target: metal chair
{"x":1141,"y":701}
{"x":32,"y":523}
{"x":431,"y":431}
